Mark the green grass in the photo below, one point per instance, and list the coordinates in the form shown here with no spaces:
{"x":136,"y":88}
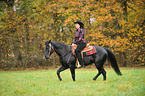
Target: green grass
{"x":46,"y":83}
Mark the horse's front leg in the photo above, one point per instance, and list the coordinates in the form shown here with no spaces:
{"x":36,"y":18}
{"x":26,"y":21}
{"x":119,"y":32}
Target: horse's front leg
{"x":72,"y":69}
{"x":62,"y":68}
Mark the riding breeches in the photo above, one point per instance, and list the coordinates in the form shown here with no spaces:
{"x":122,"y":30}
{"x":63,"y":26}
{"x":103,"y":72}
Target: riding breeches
{"x":78,"y":50}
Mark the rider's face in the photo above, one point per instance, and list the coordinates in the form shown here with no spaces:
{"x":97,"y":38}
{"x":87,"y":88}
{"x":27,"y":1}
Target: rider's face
{"x":77,"y":25}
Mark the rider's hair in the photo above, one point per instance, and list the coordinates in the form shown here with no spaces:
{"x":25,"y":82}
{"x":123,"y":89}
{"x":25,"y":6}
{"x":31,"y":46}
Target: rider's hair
{"x":81,"y":25}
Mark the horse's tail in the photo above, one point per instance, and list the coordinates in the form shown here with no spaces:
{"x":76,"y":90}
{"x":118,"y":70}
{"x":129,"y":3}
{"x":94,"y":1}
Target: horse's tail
{"x":113,"y":61}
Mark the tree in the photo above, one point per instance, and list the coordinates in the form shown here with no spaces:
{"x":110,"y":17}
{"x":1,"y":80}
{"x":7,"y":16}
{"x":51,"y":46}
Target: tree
{"x":115,"y":24}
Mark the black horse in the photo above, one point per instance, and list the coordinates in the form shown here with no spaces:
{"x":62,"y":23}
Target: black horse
{"x":68,"y":60}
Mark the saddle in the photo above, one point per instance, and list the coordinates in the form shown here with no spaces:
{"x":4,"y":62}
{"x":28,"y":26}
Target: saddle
{"x":88,"y":50}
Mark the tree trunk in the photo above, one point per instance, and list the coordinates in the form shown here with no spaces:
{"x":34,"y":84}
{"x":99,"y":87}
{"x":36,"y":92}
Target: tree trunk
{"x":125,"y":60}
{"x":124,"y":6}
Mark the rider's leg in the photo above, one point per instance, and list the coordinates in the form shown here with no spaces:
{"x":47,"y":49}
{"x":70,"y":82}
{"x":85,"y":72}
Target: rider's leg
{"x":80,"y":58}
{"x":78,"y":50}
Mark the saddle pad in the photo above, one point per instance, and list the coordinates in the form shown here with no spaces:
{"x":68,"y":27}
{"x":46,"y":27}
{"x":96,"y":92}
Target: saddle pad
{"x":93,"y":51}
{"x":88,"y":50}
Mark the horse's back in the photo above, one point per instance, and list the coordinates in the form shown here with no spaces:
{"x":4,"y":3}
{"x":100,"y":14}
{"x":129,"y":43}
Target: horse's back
{"x":100,"y":50}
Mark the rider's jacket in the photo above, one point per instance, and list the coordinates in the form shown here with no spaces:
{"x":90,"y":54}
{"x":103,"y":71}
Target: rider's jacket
{"x":79,"y":36}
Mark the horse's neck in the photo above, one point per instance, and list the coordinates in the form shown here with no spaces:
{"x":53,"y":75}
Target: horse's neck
{"x":59,"y":48}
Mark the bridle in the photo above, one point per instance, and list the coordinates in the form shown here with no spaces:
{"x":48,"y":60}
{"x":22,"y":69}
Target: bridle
{"x":51,"y":47}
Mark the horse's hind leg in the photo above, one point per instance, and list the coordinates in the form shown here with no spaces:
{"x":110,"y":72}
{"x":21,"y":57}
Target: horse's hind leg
{"x":96,"y":76}
{"x":99,"y":62}
{"x":104,"y":74}
{"x":72,"y":69}
{"x":99,"y":72}
{"x":62,"y":68}
{"x":99,"y":66}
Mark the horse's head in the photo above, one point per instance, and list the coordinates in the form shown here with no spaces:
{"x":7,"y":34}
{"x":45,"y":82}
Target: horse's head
{"x":48,"y":49}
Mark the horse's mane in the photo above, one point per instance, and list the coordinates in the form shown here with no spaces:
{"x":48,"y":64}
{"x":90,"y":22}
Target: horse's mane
{"x":59,"y":43}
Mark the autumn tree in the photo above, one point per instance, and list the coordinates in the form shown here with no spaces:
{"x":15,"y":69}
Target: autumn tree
{"x":115,"y":24}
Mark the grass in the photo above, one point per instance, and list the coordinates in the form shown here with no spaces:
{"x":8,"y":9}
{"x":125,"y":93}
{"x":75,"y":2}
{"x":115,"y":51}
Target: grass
{"x":46,"y":83}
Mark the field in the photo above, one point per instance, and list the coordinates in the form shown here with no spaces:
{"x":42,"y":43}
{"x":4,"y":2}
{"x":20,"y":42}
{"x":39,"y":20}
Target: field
{"x":46,"y":83}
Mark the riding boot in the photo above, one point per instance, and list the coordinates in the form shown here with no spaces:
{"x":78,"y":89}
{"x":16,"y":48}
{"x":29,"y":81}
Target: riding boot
{"x":80,"y":59}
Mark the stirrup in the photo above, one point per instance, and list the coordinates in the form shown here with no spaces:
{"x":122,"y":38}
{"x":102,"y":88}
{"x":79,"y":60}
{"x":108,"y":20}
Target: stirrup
{"x":79,"y":66}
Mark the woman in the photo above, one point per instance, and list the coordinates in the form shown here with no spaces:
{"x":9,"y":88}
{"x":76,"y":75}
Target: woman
{"x":80,"y":41}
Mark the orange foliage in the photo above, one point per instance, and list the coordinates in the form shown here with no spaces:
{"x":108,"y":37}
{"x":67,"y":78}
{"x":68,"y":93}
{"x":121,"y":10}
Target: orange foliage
{"x":26,"y":29}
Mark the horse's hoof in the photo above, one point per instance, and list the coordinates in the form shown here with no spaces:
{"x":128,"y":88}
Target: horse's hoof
{"x":94,"y":79}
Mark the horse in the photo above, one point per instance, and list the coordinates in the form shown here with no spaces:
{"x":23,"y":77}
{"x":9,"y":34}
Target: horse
{"x":68,"y":59}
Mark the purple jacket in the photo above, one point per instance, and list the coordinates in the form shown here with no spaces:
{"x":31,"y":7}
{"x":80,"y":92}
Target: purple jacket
{"x":79,"y":36}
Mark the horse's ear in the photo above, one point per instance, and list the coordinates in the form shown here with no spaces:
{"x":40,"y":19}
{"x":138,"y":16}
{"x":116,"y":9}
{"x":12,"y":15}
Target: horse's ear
{"x":49,"y":41}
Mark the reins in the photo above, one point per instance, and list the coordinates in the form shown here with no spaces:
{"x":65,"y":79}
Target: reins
{"x":68,"y":49}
